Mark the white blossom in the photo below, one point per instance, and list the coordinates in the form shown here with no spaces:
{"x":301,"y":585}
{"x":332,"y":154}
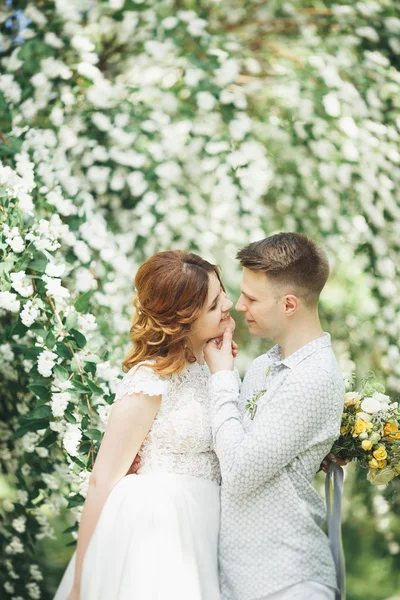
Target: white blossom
{"x":21,"y":283}
{"x":72,"y":438}
{"x":19,"y":524}
{"x":29,"y":313}
{"x":9,"y":301}
{"x":59,"y":403}
{"x":33,"y":591}
{"x":206,"y":101}
{"x":45,"y":363}
{"x":54,"y":287}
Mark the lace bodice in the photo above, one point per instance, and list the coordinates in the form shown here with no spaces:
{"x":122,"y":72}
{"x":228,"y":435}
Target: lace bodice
{"x":179,"y":440}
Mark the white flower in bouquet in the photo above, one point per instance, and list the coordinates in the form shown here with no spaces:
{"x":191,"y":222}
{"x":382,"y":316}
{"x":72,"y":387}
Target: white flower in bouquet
{"x":351,"y":398}
{"x":383,"y":400}
{"x":370,"y":405}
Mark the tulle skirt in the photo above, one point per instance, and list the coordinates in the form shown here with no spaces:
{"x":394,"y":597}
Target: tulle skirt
{"x":156,"y":539}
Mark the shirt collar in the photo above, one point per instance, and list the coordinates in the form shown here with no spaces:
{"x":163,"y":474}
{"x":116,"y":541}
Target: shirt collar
{"x":294,"y":359}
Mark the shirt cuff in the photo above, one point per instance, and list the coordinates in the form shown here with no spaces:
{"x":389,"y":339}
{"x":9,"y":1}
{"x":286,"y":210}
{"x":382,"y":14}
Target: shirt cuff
{"x":224,"y":393}
{"x":224,"y":382}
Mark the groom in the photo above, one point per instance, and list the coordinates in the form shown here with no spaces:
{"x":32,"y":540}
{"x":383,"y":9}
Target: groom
{"x":273,"y":434}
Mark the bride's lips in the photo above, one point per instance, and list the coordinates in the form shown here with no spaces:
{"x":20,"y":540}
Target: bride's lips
{"x":226,"y":319}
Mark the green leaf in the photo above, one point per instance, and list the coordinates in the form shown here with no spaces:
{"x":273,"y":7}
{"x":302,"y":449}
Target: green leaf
{"x":34,"y":426}
{"x":71,"y":529}
{"x":90,"y":367}
{"x":39,"y":263}
{"x":76,"y":500}
{"x":63,"y":350}
{"x":69,"y":416}
{"x":85,"y":446}
{"x":71,"y":321}
{"x":33,"y":352}
{"x":50,"y":340}
{"x":18,"y":329}
{"x":83,"y":301}
{"x":93,"y":434}
{"x":95,"y":388}
{"x":78,"y":461}
{"x":5,"y":116}
{"x":39,"y":390}
{"x":61,"y":373}
{"x":41,"y":412}
{"x":81,"y":387}
{"x":49,"y":439}
{"x":79,"y":338}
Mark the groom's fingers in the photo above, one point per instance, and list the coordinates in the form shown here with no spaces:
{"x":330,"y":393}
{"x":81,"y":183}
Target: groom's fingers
{"x":227,"y":339}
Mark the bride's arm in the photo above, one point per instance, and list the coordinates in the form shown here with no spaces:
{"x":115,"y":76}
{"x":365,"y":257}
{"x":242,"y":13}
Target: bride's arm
{"x":128,"y":424}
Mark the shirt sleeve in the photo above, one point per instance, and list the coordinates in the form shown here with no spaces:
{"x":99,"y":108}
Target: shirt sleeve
{"x":304,"y":411}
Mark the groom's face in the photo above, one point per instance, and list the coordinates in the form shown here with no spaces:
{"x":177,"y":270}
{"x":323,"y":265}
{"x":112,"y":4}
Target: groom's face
{"x":261,"y":302}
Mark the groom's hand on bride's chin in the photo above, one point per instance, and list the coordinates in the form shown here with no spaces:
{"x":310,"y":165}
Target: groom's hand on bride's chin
{"x":219,"y":353}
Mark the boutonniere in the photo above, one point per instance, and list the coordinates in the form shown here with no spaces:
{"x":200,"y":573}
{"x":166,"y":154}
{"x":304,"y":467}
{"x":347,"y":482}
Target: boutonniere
{"x":251,"y":405}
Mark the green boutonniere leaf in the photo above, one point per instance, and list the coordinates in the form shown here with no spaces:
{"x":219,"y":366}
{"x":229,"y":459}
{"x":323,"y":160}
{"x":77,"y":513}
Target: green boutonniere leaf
{"x":251,"y":405}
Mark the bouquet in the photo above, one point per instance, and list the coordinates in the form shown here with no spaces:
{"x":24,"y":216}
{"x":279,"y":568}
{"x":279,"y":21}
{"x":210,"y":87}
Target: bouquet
{"x":370,"y":431}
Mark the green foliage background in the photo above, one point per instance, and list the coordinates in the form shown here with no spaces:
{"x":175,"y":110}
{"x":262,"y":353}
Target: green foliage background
{"x":131,"y":127}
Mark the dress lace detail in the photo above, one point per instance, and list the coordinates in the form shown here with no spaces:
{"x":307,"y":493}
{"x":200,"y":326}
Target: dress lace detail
{"x":141,"y":379}
{"x":180,"y":439}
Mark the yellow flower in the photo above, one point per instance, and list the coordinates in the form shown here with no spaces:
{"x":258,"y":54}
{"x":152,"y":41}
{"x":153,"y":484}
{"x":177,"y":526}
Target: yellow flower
{"x":361,"y":426}
{"x":366,"y":445}
{"x":344,"y":429}
{"x":381,"y":477}
{"x":351,"y":399}
{"x":380,"y":453}
{"x":391,"y":431}
{"x":373,"y":463}
{"x":382,"y":464}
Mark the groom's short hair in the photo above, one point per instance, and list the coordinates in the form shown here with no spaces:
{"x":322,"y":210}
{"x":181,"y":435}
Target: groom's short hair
{"x":291,"y":259}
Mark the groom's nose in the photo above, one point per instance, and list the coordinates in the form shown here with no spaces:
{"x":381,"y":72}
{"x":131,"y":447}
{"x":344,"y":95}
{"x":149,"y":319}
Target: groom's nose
{"x":240,"y":305}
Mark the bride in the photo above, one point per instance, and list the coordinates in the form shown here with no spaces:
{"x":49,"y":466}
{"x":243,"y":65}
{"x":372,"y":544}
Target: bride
{"x":153,"y":536}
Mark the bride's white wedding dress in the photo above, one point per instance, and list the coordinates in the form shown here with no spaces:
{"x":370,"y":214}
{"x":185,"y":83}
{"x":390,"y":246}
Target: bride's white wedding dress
{"x":157,"y":535}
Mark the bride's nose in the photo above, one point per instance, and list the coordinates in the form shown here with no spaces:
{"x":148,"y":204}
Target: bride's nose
{"x":227,"y":305}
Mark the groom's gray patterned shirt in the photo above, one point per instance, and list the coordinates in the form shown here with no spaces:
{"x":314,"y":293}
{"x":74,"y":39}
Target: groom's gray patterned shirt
{"x":271,"y":519}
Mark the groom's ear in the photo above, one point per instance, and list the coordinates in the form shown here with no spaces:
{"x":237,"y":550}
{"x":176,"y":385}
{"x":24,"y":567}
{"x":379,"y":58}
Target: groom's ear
{"x":291,"y":303}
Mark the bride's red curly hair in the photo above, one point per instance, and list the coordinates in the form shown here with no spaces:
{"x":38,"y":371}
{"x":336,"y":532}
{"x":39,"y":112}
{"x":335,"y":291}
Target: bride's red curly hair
{"x":171,"y":289}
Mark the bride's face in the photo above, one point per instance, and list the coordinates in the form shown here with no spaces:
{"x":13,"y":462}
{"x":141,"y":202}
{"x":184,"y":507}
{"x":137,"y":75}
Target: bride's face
{"x":214,"y":316}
